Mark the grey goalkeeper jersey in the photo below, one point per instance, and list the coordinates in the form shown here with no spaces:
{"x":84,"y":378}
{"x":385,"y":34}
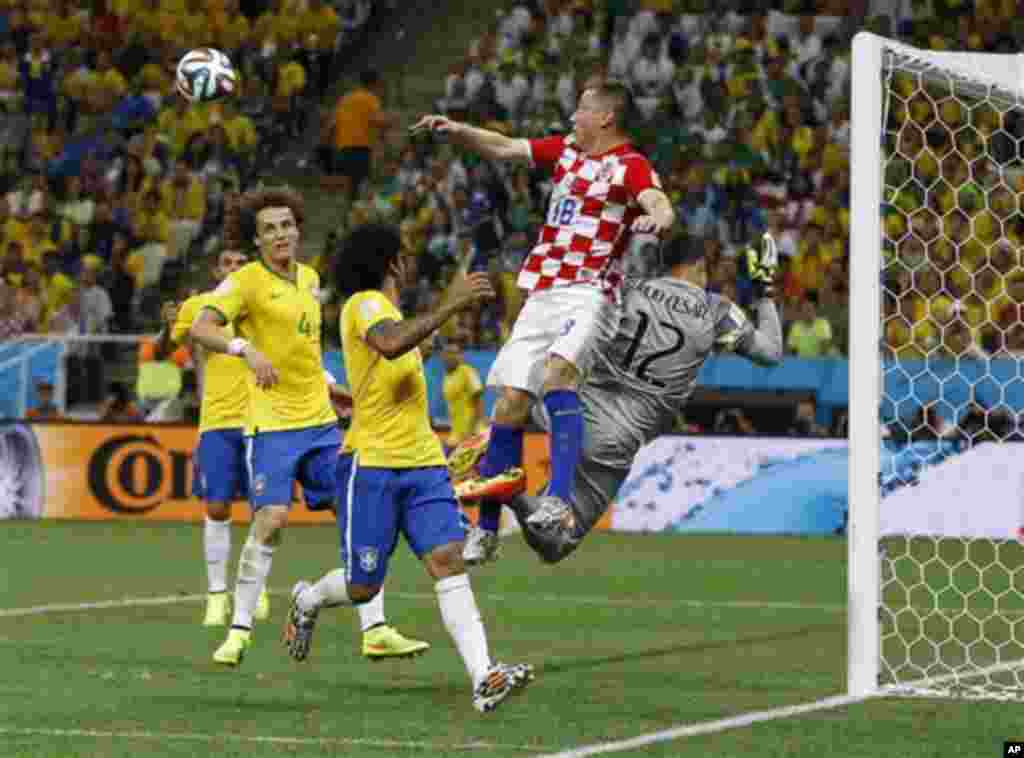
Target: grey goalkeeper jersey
{"x":646,"y":370}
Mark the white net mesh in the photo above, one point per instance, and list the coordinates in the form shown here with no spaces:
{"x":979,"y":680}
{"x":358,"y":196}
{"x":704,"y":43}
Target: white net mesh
{"x":952,"y":602}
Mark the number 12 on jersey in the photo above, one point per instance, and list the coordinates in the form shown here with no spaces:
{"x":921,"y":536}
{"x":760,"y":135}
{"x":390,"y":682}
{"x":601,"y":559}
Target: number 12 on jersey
{"x":644,"y":364}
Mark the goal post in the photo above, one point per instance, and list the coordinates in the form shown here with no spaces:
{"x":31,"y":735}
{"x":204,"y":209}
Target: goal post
{"x":865,"y":370}
{"x":936,"y":506}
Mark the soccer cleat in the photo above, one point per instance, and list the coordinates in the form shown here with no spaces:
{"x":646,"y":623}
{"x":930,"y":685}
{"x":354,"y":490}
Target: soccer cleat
{"x":298,"y":627}
{"x":557,"y":536}
{"x":502,"y":487}
{"x":482,"y":546}
{"x":385,"y":641}
{"x":467,"y":454}
{"x":262,"y":612}
{"x":218,"y":609}
{"x":552,"y":514}
{"x":501,"y":681}
{"x":232,"y":651}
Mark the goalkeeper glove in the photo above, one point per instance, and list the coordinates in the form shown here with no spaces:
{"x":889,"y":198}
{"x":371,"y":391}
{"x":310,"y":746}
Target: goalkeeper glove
{"x":763,"y":265}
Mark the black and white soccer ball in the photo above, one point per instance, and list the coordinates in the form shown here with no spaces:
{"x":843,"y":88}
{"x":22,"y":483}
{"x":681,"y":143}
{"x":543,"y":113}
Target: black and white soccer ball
{"x":205,"y":74}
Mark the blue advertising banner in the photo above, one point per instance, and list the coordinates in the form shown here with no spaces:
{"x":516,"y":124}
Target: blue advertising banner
{"x":758,"y":485}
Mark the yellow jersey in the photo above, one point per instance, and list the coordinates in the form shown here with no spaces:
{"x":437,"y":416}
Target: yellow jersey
{"x":225,"y":378}
{"x":390,"y":419}
{"x":281,"y":318}
{"x":462,"y":388}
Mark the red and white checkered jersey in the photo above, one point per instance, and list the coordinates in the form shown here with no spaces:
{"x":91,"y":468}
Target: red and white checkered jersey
{"x":593,"y":205}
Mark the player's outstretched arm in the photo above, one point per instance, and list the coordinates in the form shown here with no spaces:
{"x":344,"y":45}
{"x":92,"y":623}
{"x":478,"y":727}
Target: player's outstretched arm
{"x":489,"y":144}
{"x":395,"y":338}
{"x":765,"y":345}
{"x":207,"y":332}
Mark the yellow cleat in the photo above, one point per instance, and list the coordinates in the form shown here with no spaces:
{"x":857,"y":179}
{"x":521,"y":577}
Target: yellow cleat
{"x":501,"y":487}
{"x":232,"y":651}
{"x":218,"y":609}
{"x":387,"y":642}
{"x":262,"y":612}
{"x":462,"y":461}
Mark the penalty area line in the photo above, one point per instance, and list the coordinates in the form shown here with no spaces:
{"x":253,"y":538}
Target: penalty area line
{"x":711,"y":727}
{"x":261,"y":739}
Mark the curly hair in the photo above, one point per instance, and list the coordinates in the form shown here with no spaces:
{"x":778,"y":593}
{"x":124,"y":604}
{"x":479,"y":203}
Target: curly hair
{"x":366,"y":258}
{"x":240,"y":222}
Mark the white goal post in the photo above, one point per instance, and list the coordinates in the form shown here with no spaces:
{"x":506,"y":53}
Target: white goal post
{"x":936,"y":600}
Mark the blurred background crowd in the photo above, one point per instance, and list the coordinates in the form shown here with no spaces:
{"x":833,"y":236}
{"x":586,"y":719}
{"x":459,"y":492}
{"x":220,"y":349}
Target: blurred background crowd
{"x":113,"y":190}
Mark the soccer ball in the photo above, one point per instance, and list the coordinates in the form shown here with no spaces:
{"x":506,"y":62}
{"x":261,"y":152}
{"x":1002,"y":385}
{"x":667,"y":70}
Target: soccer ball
{"x":205,"y":74}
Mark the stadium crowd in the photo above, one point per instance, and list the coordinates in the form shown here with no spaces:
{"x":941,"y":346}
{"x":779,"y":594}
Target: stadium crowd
{"x":743,"y":108}
{"x":744,"y":114}
{"x":108,"y":181}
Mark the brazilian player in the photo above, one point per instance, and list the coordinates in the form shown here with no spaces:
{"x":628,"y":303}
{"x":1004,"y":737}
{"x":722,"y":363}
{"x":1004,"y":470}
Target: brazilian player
{"x":219,"y":473}
{"x":291,"y":427}
{"x":392,"y":477}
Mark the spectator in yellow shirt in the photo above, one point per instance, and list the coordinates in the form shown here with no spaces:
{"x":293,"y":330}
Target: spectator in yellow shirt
{"x":183,"y":199}
{"x":37,"y":242}
{"x":178,"y":123}
{"x":10,"y":95}
{"x":463,"y":392}
{"x":152,"y":228}
{"x":110,"y":85}
{"x":231,"y":29}
{"x":810,"y":336}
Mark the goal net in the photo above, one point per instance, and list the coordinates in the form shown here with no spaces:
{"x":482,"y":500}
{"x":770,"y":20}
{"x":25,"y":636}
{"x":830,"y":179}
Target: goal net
{"x":936,"y":566}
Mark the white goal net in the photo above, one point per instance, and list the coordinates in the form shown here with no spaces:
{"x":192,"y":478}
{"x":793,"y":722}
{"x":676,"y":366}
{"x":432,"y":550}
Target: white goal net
{"x":937,"y":387}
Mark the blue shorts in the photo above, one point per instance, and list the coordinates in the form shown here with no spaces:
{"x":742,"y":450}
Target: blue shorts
{"x":277,"y":460}
{"x":375,"y":505}
{"x":218,"y":467}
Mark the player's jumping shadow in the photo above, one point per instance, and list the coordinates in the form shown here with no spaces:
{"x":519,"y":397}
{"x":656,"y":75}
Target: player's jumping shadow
{"x":574,"y":664}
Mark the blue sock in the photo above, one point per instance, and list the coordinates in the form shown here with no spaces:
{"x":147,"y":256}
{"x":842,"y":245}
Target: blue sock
{"x":490,"y":515}
{"x":504,"y":451}
{"x":563,"y":408}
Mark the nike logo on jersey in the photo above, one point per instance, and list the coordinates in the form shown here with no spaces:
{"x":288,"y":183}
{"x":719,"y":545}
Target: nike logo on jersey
{"x":276,"y":295}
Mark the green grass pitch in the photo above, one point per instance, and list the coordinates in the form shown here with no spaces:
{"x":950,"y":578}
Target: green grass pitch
{"x":632,"y":635}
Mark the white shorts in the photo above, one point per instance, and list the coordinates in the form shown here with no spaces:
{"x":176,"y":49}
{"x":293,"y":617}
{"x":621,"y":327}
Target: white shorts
{"x":563,"y":321}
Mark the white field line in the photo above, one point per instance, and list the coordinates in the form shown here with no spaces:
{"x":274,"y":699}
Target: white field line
{"x":257,"y":739}
{"x":582,"y":600}
{"x":710,"y":727}
{"x":596,"y":600}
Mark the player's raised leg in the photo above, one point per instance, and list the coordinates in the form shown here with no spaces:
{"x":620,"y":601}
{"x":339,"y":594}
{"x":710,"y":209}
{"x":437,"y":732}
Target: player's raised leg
{"x":432,"y":525}
{"x":327,"y":477}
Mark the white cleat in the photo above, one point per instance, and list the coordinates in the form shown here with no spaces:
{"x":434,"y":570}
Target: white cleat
{"x":502,"y":680}
{"x":552,"y":514}
{"x":481,"y":547}
{"x":298,"y":627}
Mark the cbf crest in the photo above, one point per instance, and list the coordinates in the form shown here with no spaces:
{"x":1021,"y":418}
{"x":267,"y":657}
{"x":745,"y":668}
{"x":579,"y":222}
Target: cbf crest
{"x":368,"y":559}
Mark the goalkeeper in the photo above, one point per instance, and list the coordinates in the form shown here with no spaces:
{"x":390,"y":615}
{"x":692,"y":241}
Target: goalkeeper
{"x":644,"y":373}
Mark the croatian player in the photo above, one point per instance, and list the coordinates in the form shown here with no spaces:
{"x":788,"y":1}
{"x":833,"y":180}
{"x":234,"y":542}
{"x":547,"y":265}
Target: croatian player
{"x":219,"y":476}
{"x":393,"y":478}
{"x":604,"y":192}
{"x":291,"y":429}
{"x":643,"y":376}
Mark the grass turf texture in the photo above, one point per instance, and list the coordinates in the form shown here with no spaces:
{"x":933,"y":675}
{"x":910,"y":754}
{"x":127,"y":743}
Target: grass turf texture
{"x":632,"y":634}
